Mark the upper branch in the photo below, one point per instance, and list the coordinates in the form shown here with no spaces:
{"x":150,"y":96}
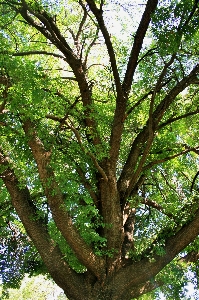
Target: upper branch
{"x":120,"y":111}
{"x":191,"y":78}
{"x":47,"y":28}
{"x":157,"y":206}
{"x":78,"y":137}
{"x":142,"y":137}
{"x":159,"y":161}
{"x":137,"y":45}
{"x":174,"y":119}
{"x":90,"y":46}
{"x":98,"y":13}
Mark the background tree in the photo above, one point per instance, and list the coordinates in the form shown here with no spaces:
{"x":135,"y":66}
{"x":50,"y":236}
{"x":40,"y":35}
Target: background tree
{"x":35,"y":288}
{"x":99,"y":144}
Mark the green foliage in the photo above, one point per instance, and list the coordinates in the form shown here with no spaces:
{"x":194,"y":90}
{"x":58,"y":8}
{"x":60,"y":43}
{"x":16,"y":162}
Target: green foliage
{"x":17,"y":254}
{"x":171,"y":31}
{"x":37,"y":287}
{"x":43,"y":88}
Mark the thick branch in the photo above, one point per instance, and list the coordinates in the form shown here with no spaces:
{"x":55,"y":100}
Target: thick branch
{"x":128,"y":233}
{"x":36,"y":229}
{"x":146,"y":269}
{"x":98,"y":13}
{"x":120,"y":112}
{"x":138,"y":41}
{"x":145,"y":288}
{"x":56,"y":203}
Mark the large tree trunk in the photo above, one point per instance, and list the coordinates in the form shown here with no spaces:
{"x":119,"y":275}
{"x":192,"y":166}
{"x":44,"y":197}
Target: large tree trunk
{"x":121,"y":280}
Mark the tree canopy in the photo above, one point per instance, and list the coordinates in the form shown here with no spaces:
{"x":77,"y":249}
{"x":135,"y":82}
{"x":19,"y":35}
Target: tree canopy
{"x":99,"y":145}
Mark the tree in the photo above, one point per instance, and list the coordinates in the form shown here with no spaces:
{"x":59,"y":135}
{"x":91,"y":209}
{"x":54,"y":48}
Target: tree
{"x":99,"y":143}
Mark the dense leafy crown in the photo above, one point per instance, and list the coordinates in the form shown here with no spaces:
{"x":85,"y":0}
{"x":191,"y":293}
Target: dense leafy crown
{"x":99,"y":142}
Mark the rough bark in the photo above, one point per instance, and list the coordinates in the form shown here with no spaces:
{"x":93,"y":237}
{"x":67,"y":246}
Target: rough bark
{"x":36,"y":229}
{"x":55,"y":200}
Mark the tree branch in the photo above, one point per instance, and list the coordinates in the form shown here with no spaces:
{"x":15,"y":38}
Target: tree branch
{"x":159,"y":161}
{"x":137,"y":45}
{"x":128,"y":243}
{"x":87,"y":185}
{"x":140,"y":140}
{"x":180,"y":86}
{"x":36,"y":229}
{"x":78,"y":137}
{"x":145,"y":288}
{"x":98,"y":13}
{"x":190,"y":257}
{"x":79,"y":32}
{"x":148,"y":53}
{"x":50,"y":30}
{"x":194,"y":9}
{"x":35,"y":52}
{"x":147,"y":268}
{"x":120,"y":101}
{"x":120,"y":111}
{"x":146,"y":95}
{"x":157,"y":206}
{"x":56,"y":203}
{"x":90,"y":46}
{"x":171,"y":120}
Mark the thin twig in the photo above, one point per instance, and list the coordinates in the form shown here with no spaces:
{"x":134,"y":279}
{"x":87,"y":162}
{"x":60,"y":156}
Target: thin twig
{"x":159,"y":161}
{"x":35,"y":52}
{"x":171,"y":120}
{"x":78,"y":137}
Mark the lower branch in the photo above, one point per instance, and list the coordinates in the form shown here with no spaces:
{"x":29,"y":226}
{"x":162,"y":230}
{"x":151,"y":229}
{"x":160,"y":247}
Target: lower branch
{"x":144,"y":270}
{"x":56,"y":203}
{"x":58,"y":268}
